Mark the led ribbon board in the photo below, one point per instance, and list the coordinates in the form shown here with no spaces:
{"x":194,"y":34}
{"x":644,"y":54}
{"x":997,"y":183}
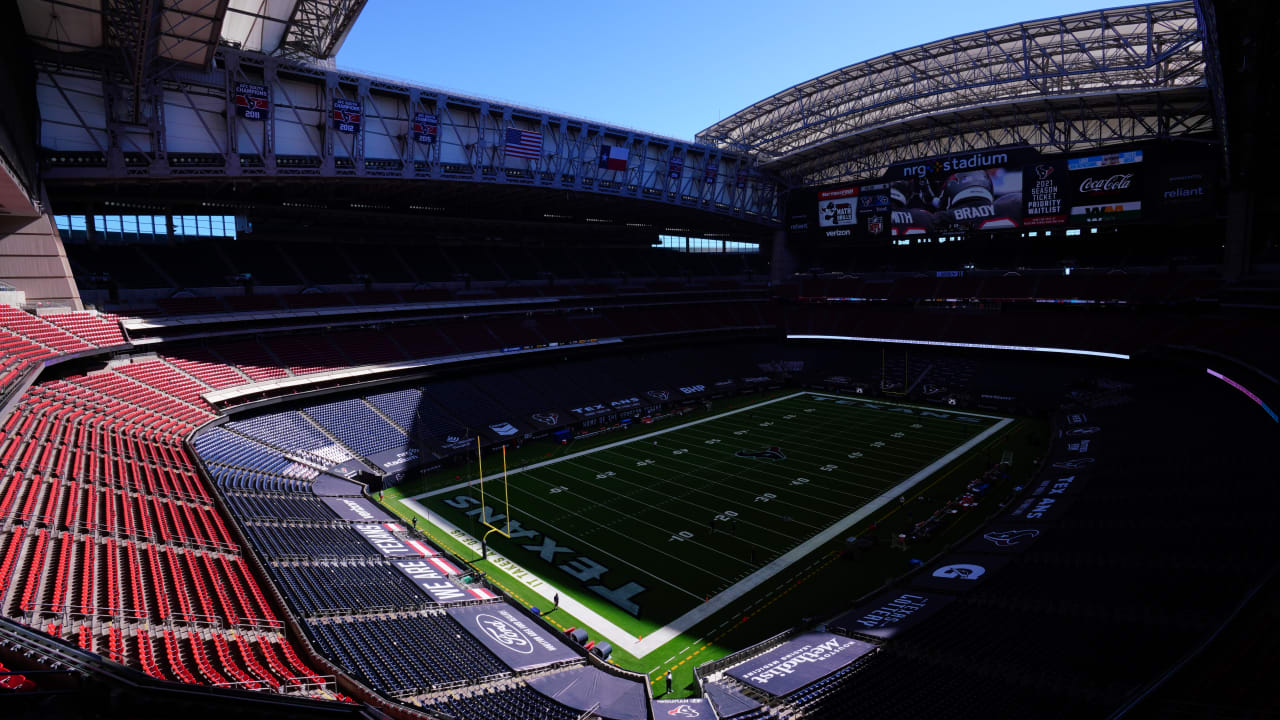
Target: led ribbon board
{"x":979,"y":346}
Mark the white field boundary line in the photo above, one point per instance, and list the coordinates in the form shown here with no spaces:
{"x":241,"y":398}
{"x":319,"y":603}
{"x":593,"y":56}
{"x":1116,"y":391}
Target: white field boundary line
{"x":619,"y":637}
{"x":656,"y":433}
{"x":660,"y":637}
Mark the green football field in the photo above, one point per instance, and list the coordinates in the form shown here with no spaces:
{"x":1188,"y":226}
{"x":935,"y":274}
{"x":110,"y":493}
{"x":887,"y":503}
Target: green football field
{"x":650,"y":534}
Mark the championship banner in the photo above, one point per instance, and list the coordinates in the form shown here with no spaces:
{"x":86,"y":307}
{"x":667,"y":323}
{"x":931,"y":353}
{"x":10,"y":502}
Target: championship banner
{"x":798,"y":662}
{"x":741,"y":181}
{"x":891,"y":614}
{"x":959,"y":573}
{"x":357,"y":509}
{"x":675,"y":168}
{"x":431,"y":581}
{"x":517,"y":641}
{"x":1044,"y":186}
{"x":425,"y":128}
{"x":251,"y":101}
{"x":709,"y":173}
{"x":347,"y":116}
{"x":1106,"y":188}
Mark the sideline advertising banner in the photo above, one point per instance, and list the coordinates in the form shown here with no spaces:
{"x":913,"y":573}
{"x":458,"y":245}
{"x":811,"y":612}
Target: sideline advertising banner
{"x":799,"y":662}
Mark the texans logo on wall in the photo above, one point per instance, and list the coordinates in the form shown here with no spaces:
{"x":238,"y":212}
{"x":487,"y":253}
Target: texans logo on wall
{"x":547,"y":418}
{"x":658,"y":394}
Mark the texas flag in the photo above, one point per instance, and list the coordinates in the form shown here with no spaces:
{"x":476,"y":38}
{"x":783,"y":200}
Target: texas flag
{"x":613,"y":157}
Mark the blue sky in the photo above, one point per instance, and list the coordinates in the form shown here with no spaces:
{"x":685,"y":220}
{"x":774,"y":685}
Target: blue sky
{"x":665,"y":67}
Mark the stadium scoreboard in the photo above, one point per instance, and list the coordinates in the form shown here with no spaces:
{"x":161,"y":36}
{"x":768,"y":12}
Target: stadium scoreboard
{"x":1011,"y":189}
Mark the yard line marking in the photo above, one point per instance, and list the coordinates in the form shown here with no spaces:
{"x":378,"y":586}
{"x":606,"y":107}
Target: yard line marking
{"x":633,"y":518}
{"x":660,"y":637}
{"x":607,"y":446}
{"x":691,"y":423}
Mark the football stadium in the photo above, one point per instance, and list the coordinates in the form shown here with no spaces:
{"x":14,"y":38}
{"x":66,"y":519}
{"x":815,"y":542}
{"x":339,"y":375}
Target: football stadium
{"x":942,"y":384}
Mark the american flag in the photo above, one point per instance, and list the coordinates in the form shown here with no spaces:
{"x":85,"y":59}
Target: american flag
{"x":523,"y":144}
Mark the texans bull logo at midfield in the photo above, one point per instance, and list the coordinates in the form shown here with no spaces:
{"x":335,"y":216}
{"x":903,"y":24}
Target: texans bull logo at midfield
{"x":504,"y":633}
{"x":773,"y":453}
{"x":1009,"y":538}
{"x":683,"y":711}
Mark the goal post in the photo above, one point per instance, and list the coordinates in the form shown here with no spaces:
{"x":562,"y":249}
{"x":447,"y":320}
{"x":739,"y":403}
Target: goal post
{"x":485,"y":516}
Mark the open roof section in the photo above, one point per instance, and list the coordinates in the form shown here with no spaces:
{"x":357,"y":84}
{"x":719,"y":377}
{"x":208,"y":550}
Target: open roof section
{"x":1115,"y":75}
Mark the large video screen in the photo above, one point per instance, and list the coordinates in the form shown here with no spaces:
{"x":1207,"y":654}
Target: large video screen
{"x":1002,"y":190}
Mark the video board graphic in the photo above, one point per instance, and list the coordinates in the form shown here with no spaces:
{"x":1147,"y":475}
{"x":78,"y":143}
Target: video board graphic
{"x":1009,"y":190}
{"x":1106,"y":188}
